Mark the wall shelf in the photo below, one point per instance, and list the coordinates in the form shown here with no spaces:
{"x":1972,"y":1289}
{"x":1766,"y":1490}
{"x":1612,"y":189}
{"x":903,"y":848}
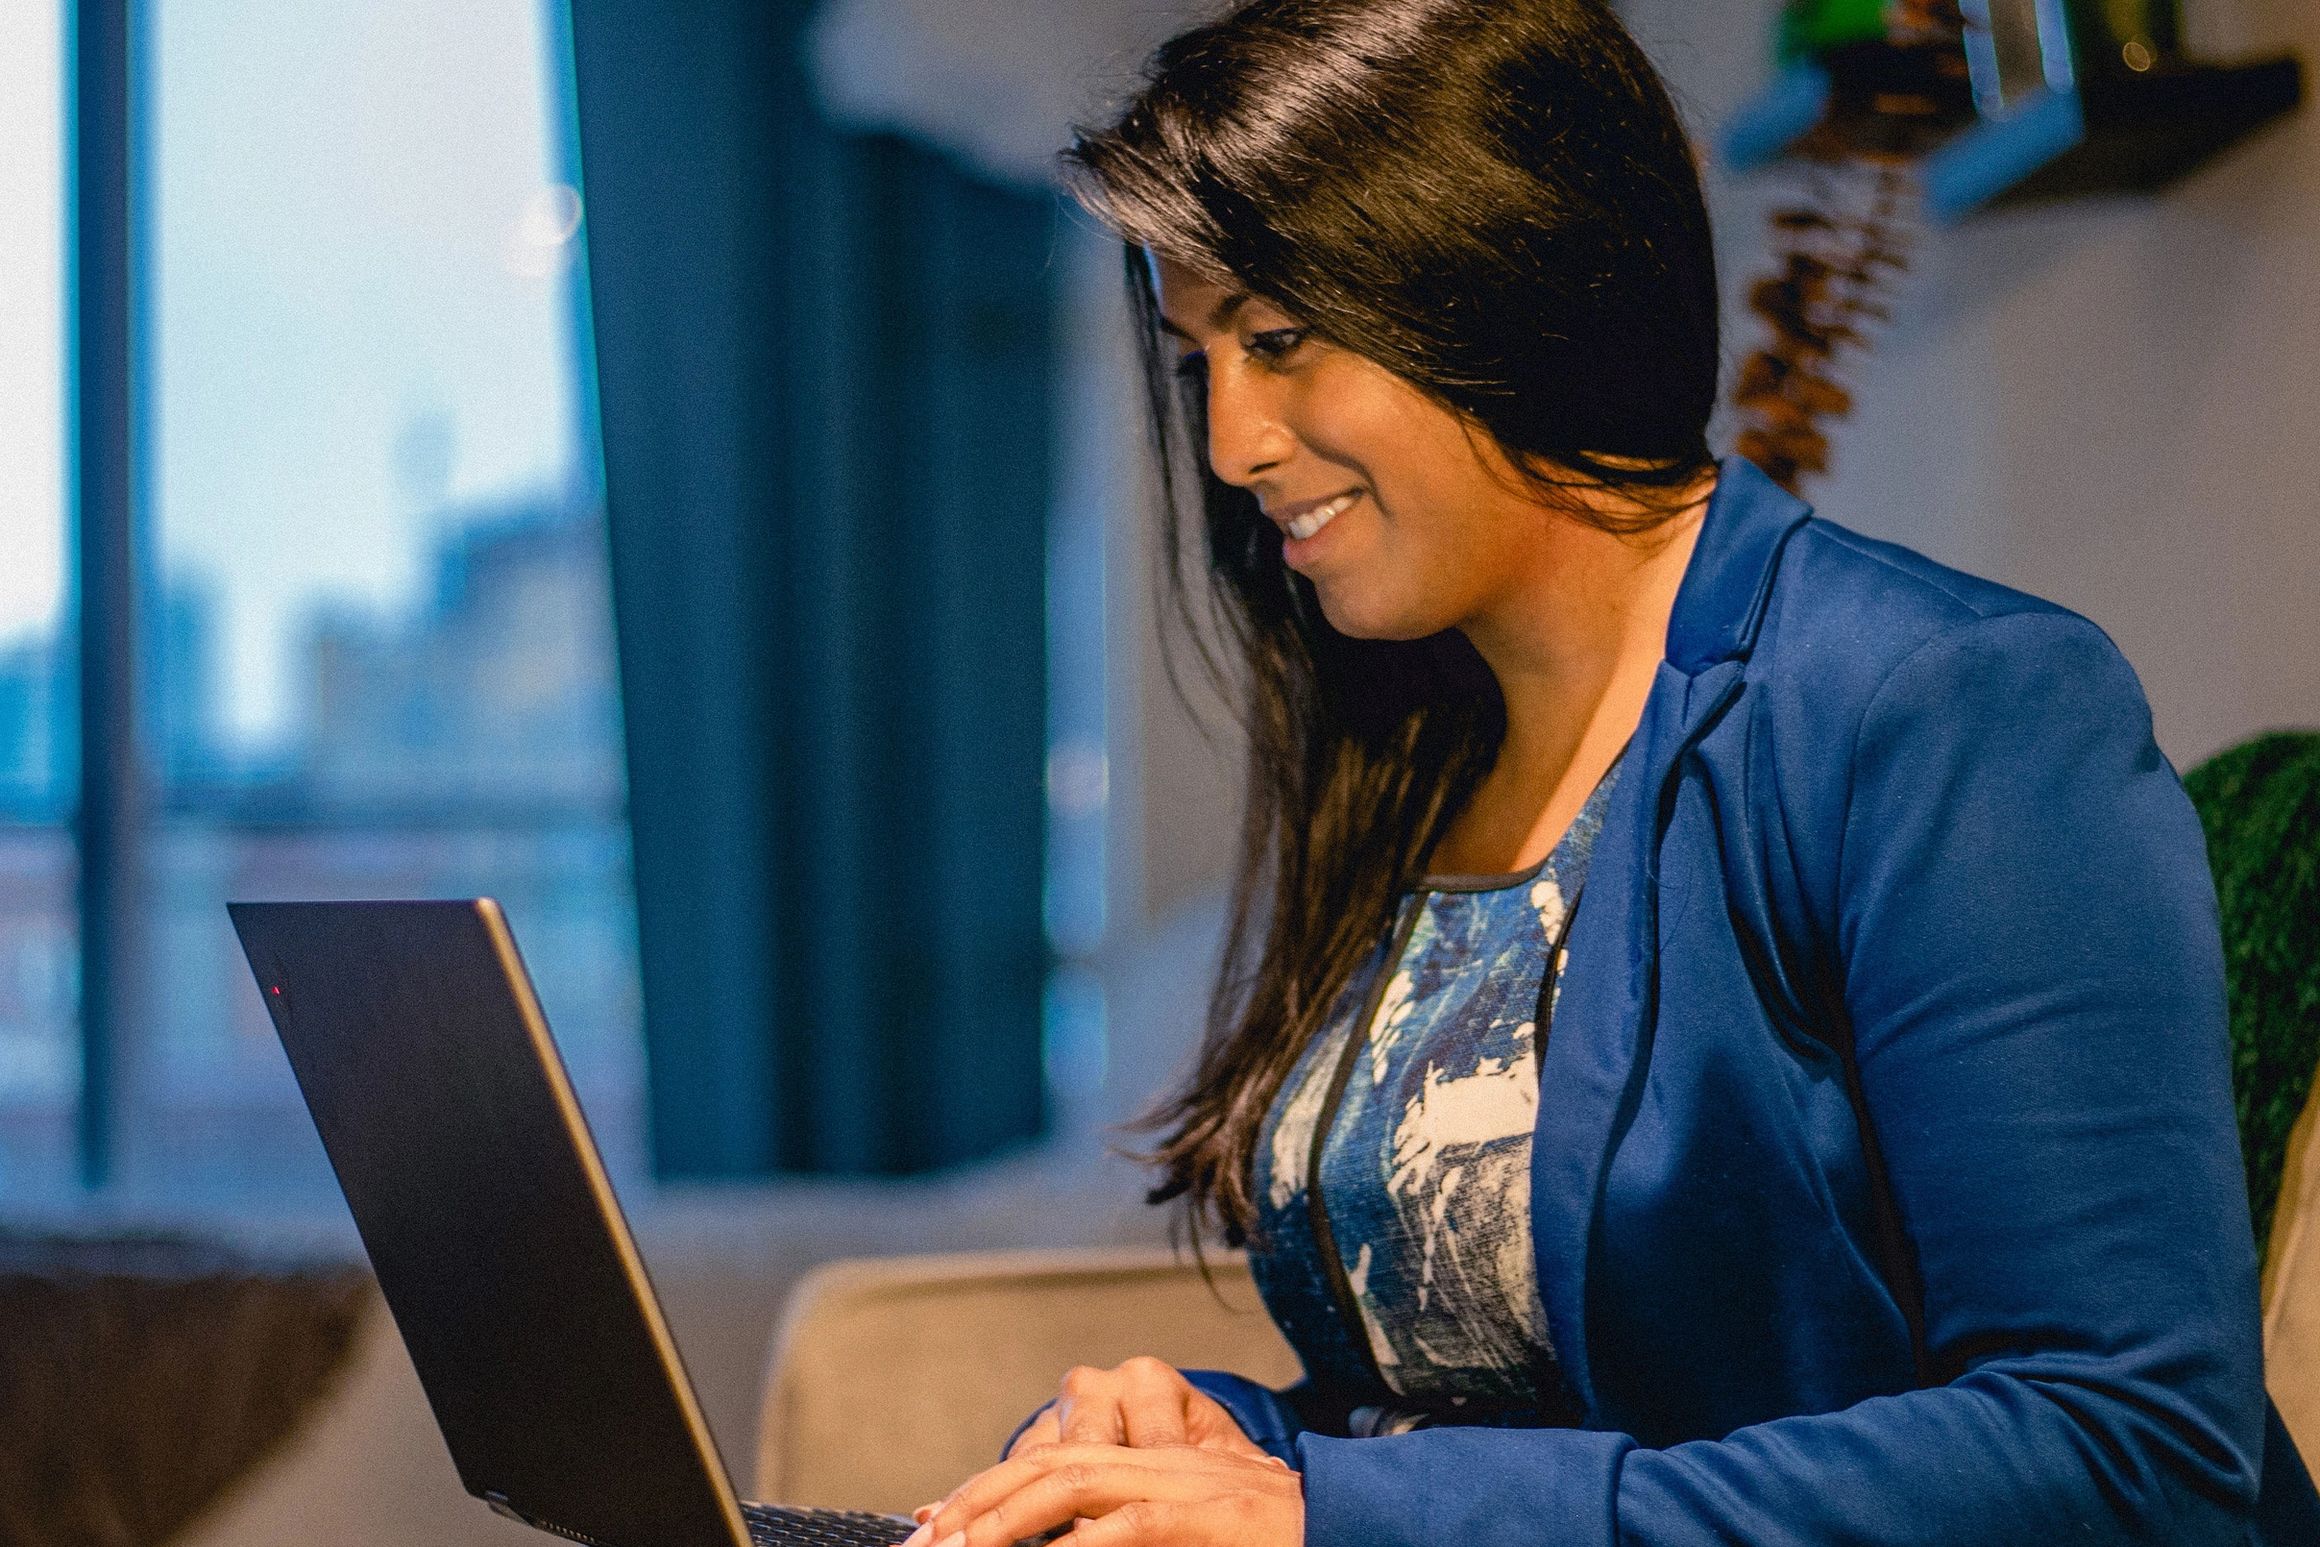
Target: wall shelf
{"x":2069,"y":130}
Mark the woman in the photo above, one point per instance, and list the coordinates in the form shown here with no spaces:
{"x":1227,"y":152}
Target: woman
{"x":1722,"y":1038}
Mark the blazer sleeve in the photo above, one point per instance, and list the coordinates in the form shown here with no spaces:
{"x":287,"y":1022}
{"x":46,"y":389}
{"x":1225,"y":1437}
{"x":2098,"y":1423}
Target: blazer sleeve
{"x":2030,"y":958}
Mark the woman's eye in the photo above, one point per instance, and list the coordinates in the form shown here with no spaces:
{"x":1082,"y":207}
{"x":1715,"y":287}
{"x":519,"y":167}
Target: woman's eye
{"x":1275,"y":343}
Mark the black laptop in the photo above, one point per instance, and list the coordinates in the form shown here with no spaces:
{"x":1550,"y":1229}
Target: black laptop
{"x":494,"y":1233}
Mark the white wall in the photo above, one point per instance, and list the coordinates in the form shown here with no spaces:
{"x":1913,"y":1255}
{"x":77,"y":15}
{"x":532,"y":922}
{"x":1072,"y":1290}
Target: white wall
{"x":2111,"y":403}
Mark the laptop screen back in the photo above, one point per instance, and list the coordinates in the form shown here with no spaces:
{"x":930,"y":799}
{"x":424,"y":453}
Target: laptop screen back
{"x":494,"y":1235}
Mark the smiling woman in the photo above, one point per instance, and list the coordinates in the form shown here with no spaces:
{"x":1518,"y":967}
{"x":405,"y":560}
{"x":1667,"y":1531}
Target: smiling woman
{"x":1721,"y":1036}
{"x":1436,"y":510}
{"x":1380,"y":243}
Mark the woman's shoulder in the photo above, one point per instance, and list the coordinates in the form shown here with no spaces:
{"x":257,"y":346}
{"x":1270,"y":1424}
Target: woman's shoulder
{"x":1852,"y":619}
{"x":1920,"y":729}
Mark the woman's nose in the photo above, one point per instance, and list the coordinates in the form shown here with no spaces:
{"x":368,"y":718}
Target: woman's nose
{"x":1245,"y":436}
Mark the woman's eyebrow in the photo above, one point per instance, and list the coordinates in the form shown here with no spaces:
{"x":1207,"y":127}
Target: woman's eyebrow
{"x":1219,"y":318}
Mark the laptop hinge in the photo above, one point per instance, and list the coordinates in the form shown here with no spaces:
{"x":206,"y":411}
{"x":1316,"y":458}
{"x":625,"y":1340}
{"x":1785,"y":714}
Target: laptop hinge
{"x":500,"y":1506}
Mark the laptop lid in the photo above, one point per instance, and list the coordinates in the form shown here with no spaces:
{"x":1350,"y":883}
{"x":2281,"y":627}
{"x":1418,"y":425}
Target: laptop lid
{"x":490,"y":1224}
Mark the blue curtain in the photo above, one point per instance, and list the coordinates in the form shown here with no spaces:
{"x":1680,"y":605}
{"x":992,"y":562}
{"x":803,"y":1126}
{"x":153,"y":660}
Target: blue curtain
{"x":824,"y":369}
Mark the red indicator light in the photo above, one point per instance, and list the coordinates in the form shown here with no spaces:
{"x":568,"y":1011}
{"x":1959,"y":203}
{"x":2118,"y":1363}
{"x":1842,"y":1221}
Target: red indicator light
{"x":276,"y":991}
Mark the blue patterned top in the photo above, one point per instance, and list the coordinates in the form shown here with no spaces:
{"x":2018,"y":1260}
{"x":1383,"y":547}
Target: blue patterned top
{"x":1424,"y":1126}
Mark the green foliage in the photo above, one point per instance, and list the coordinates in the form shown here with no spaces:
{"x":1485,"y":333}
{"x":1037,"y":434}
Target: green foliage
{"x":2260,"y":805}
{"x":1810,"y":28}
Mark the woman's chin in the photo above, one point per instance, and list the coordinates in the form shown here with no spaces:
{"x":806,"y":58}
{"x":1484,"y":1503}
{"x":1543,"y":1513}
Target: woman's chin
{"x":1360,"y":616}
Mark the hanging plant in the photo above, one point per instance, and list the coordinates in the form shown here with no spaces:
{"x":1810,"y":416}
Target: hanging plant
{"x":1837,"y":247}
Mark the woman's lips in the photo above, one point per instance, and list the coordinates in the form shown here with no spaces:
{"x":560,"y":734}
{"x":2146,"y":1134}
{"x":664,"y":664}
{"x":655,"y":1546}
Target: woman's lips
{"x":1307,"y":531}
{"x":1306,"y":522}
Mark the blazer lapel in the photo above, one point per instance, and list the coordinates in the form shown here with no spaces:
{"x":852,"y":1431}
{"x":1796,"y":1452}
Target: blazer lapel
{"x":1598,"y":1046}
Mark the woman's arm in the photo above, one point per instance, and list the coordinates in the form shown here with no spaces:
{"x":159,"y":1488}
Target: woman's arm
{"x":2030,"y":956}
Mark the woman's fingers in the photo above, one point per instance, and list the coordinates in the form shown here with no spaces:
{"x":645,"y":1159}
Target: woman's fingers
{"x":1140,"y":1402}
{"x":1242,"y":1519}
{"x":1045,"y":1501}
{"x":1044,"y":1430}
{"x":1067,"y":1474}
{"x":1055,"y":1485}
{"x":1153,"y":1398}
{"x":1207,"y":1424}
{"x":1088,"y":1411}
{"x":1143,"y":1402}
{"x":981,"y":1492}
{"x":1067,"y":1464}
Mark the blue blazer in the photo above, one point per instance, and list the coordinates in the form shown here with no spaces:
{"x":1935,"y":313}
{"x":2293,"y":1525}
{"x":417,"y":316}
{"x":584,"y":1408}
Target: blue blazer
{"x":1885,"y":1186}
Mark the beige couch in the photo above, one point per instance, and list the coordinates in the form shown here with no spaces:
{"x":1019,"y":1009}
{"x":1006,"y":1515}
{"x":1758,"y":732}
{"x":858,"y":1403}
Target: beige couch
{"x":2292,"y":1288}
{"x":895,"y":1378}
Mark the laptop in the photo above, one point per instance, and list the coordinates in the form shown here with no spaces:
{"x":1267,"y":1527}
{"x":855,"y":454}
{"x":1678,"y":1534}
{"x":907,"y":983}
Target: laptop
{"x":494,"y":1233}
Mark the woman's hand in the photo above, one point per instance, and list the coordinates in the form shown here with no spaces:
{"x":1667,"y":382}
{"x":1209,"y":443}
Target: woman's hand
{"x":1141,"y":1403}
{"x":1167,"y":1496}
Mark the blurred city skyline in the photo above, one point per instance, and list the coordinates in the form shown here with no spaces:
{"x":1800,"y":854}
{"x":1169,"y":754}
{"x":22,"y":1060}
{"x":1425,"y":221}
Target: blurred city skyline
{"x":495,"y":684}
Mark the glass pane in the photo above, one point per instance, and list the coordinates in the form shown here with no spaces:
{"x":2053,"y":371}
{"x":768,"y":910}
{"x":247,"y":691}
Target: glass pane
{"x":220,"y":1114}
{"x":39,"y":1062}
{"x":382,"y":634}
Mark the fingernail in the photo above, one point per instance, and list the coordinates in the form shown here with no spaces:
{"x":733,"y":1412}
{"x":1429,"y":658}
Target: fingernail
{"x":918,"y":1537}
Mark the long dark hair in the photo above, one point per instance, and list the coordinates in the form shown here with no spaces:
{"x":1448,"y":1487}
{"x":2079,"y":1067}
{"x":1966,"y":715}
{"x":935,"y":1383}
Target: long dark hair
{"x":1494,"y":199}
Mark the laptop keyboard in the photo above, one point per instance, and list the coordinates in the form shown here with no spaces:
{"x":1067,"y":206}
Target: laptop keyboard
{"x":770,"y":1525}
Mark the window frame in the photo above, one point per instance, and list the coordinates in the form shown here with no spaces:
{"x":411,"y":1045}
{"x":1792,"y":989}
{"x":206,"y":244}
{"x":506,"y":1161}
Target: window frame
{"x":104,"y":470}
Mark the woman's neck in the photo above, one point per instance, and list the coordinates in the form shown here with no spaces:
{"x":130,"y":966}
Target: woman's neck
{"x":1575,"y":642}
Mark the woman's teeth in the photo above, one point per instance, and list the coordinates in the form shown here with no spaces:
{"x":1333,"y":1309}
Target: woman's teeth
{"x":1302,"y":527}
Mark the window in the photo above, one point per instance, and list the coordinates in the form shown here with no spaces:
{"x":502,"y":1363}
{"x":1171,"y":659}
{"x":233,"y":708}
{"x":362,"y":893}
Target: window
{"x":39,"y":1063}
{"x":375,"y":652}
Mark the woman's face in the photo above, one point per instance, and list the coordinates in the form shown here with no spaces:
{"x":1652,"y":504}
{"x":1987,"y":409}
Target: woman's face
{"x":1407,"y":520}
